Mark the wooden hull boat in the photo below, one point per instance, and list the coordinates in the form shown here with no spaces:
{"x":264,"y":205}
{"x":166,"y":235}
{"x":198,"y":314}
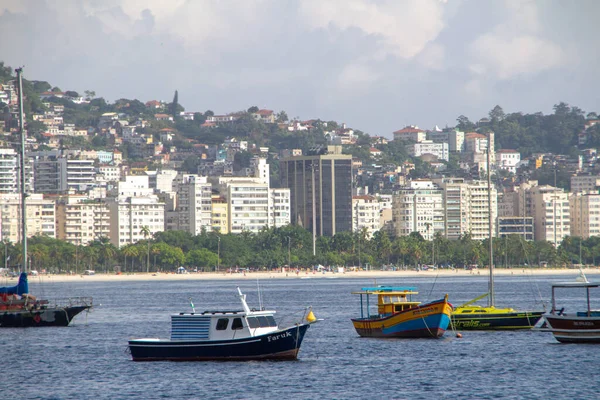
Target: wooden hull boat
{"x":400,"y":317}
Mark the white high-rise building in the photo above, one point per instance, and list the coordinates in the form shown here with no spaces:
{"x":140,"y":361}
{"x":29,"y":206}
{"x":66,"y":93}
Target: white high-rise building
{"x":467,"y":208}
{"x":279,"y":207}
{"x":194,"y":205}
{"x":418,"y":208}
{"x":129,"y":216}
{"x":365,"y":214}
{"x":9,"y":171}
{"x":248,"y":205}
{"x":551,"y":214}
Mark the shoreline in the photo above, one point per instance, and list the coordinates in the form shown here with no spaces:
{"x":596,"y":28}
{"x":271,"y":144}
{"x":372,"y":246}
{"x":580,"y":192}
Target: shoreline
{"x":100,"y":277}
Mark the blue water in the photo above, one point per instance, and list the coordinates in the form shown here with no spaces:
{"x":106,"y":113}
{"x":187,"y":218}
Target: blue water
{"x":89,"y":359}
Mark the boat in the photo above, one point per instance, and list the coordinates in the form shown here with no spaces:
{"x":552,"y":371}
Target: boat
{"x":577,"y":326}
{"x":398,"y":316}
{"x":469,"y":316}
{"x":18,"y":308}
{"x":247,"y":334}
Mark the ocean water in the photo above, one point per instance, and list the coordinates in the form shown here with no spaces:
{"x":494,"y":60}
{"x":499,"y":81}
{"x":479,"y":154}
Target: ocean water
{"x":89,"y":360}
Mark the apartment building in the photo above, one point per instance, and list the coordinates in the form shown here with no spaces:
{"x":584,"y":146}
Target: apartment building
{"x":585,"y":214}
{"x":440,"y":150}
{"x":410,"y":133}
{"x":550,"y":209}
{"x":10,"y":177}
{"x":81,"y":220}
{"x":56,"y":174}
{"x":585,"y":183}
{"x":247,"y":204}
{"x":194,"y":204}
{"x":220,"y":219}
{"x":279,"y":207}
{"x":325,"y":176}
{"x":365,"y":214}
{"x":467,"y":208}
{"x":129,"y":215}
{"x":508,"y":160}
{"x":41,"y":217}
{"x":418,"y":208}
{"x":522,"y":226}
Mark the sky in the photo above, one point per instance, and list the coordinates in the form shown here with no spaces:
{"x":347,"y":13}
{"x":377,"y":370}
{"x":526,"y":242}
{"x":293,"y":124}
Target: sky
{"x":375,"y":65}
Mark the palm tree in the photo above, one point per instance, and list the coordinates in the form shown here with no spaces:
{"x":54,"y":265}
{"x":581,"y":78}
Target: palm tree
{"x":146,"y":232}
{"x":130,"y":251}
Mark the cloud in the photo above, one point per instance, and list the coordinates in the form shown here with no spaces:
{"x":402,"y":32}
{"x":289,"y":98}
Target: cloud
{"x":514,"y":48}
{"x":508,"y":57}
{"x":402,"y":29}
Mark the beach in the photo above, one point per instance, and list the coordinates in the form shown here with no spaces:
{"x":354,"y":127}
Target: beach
{"x":568,"y":273}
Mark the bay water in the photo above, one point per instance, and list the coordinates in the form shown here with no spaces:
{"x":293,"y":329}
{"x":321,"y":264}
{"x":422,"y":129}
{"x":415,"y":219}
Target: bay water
{"x":89,"y":360}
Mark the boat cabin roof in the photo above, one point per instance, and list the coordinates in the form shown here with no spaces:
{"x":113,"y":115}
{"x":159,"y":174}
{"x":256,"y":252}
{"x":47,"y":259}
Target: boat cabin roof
{"x":388,"y":290}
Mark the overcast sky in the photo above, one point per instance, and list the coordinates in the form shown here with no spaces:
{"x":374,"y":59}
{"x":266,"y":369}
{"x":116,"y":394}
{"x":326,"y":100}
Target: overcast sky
{"x":377,"y":65}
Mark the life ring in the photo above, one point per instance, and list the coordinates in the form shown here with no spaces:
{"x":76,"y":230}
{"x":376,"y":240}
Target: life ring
{"x":37,"y":318}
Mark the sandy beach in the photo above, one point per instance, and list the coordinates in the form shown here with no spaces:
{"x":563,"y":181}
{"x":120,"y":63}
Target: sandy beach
{"x":100,"y":277}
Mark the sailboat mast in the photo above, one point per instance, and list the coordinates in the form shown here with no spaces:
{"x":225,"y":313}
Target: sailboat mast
{"x":19,"y":72}
{"x":490,"y":222}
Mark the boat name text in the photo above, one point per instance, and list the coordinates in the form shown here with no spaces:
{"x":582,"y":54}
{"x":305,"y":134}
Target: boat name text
{"x":281,"y":335}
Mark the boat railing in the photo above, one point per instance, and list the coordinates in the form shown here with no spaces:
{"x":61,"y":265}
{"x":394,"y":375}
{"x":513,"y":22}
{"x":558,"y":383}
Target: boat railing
{"x":72,"y":302}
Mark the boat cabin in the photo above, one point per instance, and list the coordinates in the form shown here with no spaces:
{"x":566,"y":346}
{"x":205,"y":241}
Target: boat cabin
{"x":221,"y":325}
{"x":390,"y":300}
{"x":589,"y":310}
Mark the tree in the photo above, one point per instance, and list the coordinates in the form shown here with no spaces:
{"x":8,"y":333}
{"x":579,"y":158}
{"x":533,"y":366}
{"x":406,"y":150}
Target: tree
{"x":464,"y":124}
{"x":174,"y":107}
{"x":253,"y":110}
{"x":89,"y":94}
{"x":146,"y":232}
{"x":202,"y":258}
{"x":282,"y":116}
{"x":497,"y":114}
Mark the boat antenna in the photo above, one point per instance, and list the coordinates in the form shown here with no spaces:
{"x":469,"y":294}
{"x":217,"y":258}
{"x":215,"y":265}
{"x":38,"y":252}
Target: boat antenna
{"x":19,"y":72}
{"x":490,"y":221}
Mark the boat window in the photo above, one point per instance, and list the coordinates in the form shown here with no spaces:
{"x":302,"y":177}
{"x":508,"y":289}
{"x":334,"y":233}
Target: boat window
{"x":253,"y":322}
{"x":222,"y":324}
{"x":398,"y":308}
{"x":271,"y":321}
{"x":237,"y":324}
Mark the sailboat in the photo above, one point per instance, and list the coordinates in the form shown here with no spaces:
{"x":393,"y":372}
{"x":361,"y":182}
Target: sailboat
{"x":18,"y":308}
{"x":469,"y":316}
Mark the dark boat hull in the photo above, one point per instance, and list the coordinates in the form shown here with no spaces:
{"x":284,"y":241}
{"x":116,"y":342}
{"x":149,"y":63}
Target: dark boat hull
{"x":56,"y":316}
{"x":279,"y":345}
{"x":496,"y":321}
{"x":575,"y":329}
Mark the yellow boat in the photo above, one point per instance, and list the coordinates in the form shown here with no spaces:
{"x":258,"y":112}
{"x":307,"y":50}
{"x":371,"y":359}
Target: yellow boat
{"x":473,"y":317}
